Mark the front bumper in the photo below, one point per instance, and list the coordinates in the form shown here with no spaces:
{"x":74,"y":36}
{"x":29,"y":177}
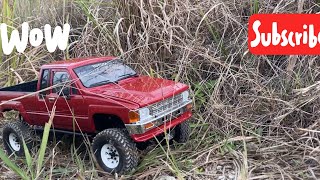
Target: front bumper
{"x":158,"y":130}
{"x":140,"y":133}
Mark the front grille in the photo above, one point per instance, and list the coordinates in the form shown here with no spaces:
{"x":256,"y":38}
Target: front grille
{"x":172,"y":115}
{"x":165,"y":105}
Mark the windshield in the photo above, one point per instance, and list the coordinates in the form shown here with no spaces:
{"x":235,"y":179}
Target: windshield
{"x":101,"y":73}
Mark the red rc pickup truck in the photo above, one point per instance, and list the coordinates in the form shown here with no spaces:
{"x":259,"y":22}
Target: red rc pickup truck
{"x":100,"y":96}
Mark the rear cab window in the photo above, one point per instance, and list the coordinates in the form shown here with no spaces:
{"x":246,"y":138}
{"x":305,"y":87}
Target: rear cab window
{"x":44,"y":83}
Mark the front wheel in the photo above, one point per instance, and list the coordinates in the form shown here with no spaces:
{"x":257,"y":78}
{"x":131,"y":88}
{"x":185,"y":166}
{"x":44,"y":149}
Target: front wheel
{"x":182,"y":132}
{"x":114,"y":151}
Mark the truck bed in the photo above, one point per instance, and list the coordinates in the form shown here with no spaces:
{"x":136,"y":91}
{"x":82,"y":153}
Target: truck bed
{"x":23,"y":87}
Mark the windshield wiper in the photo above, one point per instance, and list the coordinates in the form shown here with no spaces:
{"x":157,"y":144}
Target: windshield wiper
{"x":124,"y":76}
{"x":100,"y":83}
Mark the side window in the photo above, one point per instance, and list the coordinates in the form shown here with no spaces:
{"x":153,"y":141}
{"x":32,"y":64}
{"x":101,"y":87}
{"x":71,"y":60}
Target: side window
{"x":60,"y":80}
{"x":44,"y":82}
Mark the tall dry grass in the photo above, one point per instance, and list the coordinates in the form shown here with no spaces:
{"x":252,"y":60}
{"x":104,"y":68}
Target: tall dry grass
{"x":255,"y":117}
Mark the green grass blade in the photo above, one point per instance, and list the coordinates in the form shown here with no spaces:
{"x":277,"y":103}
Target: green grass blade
{"x":12,"y":166}
{"x":28,"y":158}
{"x":44,"y":142}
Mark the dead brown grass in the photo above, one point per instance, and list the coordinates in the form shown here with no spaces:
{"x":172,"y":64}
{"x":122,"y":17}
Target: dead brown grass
{"x":260,"y":120}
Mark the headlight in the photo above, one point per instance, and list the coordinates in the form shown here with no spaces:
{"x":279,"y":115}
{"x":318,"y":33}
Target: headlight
{"x":139,"y":115}
{"x":144,"y":113}
{"x":185,"y":96}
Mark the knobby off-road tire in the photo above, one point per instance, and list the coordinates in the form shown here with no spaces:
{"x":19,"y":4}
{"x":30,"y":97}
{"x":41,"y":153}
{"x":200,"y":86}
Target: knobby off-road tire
{"x":115,"y":152}
{"x":182,"y":132}
{"x":13,"y":135}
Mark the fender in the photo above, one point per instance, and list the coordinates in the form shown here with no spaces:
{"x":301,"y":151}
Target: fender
{"x":17,"y":106}
{"x":119,"y":111}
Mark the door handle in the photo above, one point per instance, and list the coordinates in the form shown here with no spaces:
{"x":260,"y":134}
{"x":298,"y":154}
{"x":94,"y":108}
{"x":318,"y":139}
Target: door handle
{"x":51,"y":99}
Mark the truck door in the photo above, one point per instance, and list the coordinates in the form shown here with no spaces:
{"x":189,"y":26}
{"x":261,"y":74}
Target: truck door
{"x":71,"y":110}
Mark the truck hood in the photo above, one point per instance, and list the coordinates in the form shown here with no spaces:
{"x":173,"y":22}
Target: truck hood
{"x":143,"y":90}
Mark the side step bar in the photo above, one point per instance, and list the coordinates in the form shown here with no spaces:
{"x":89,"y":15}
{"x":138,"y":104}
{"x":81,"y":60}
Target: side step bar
{"x":59,"y":131}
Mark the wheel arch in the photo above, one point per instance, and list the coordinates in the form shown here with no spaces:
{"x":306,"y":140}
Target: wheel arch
{"x":104,"y":121}
{"x":20,"y":110}
{"x":15,"y":106}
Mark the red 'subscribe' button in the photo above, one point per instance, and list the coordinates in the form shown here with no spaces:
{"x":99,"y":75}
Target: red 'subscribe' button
{"x":284,"y":34}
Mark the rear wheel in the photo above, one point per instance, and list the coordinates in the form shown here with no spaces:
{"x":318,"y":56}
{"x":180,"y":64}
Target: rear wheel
{"x":13,"y":135}
{"x":114,"y":151}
